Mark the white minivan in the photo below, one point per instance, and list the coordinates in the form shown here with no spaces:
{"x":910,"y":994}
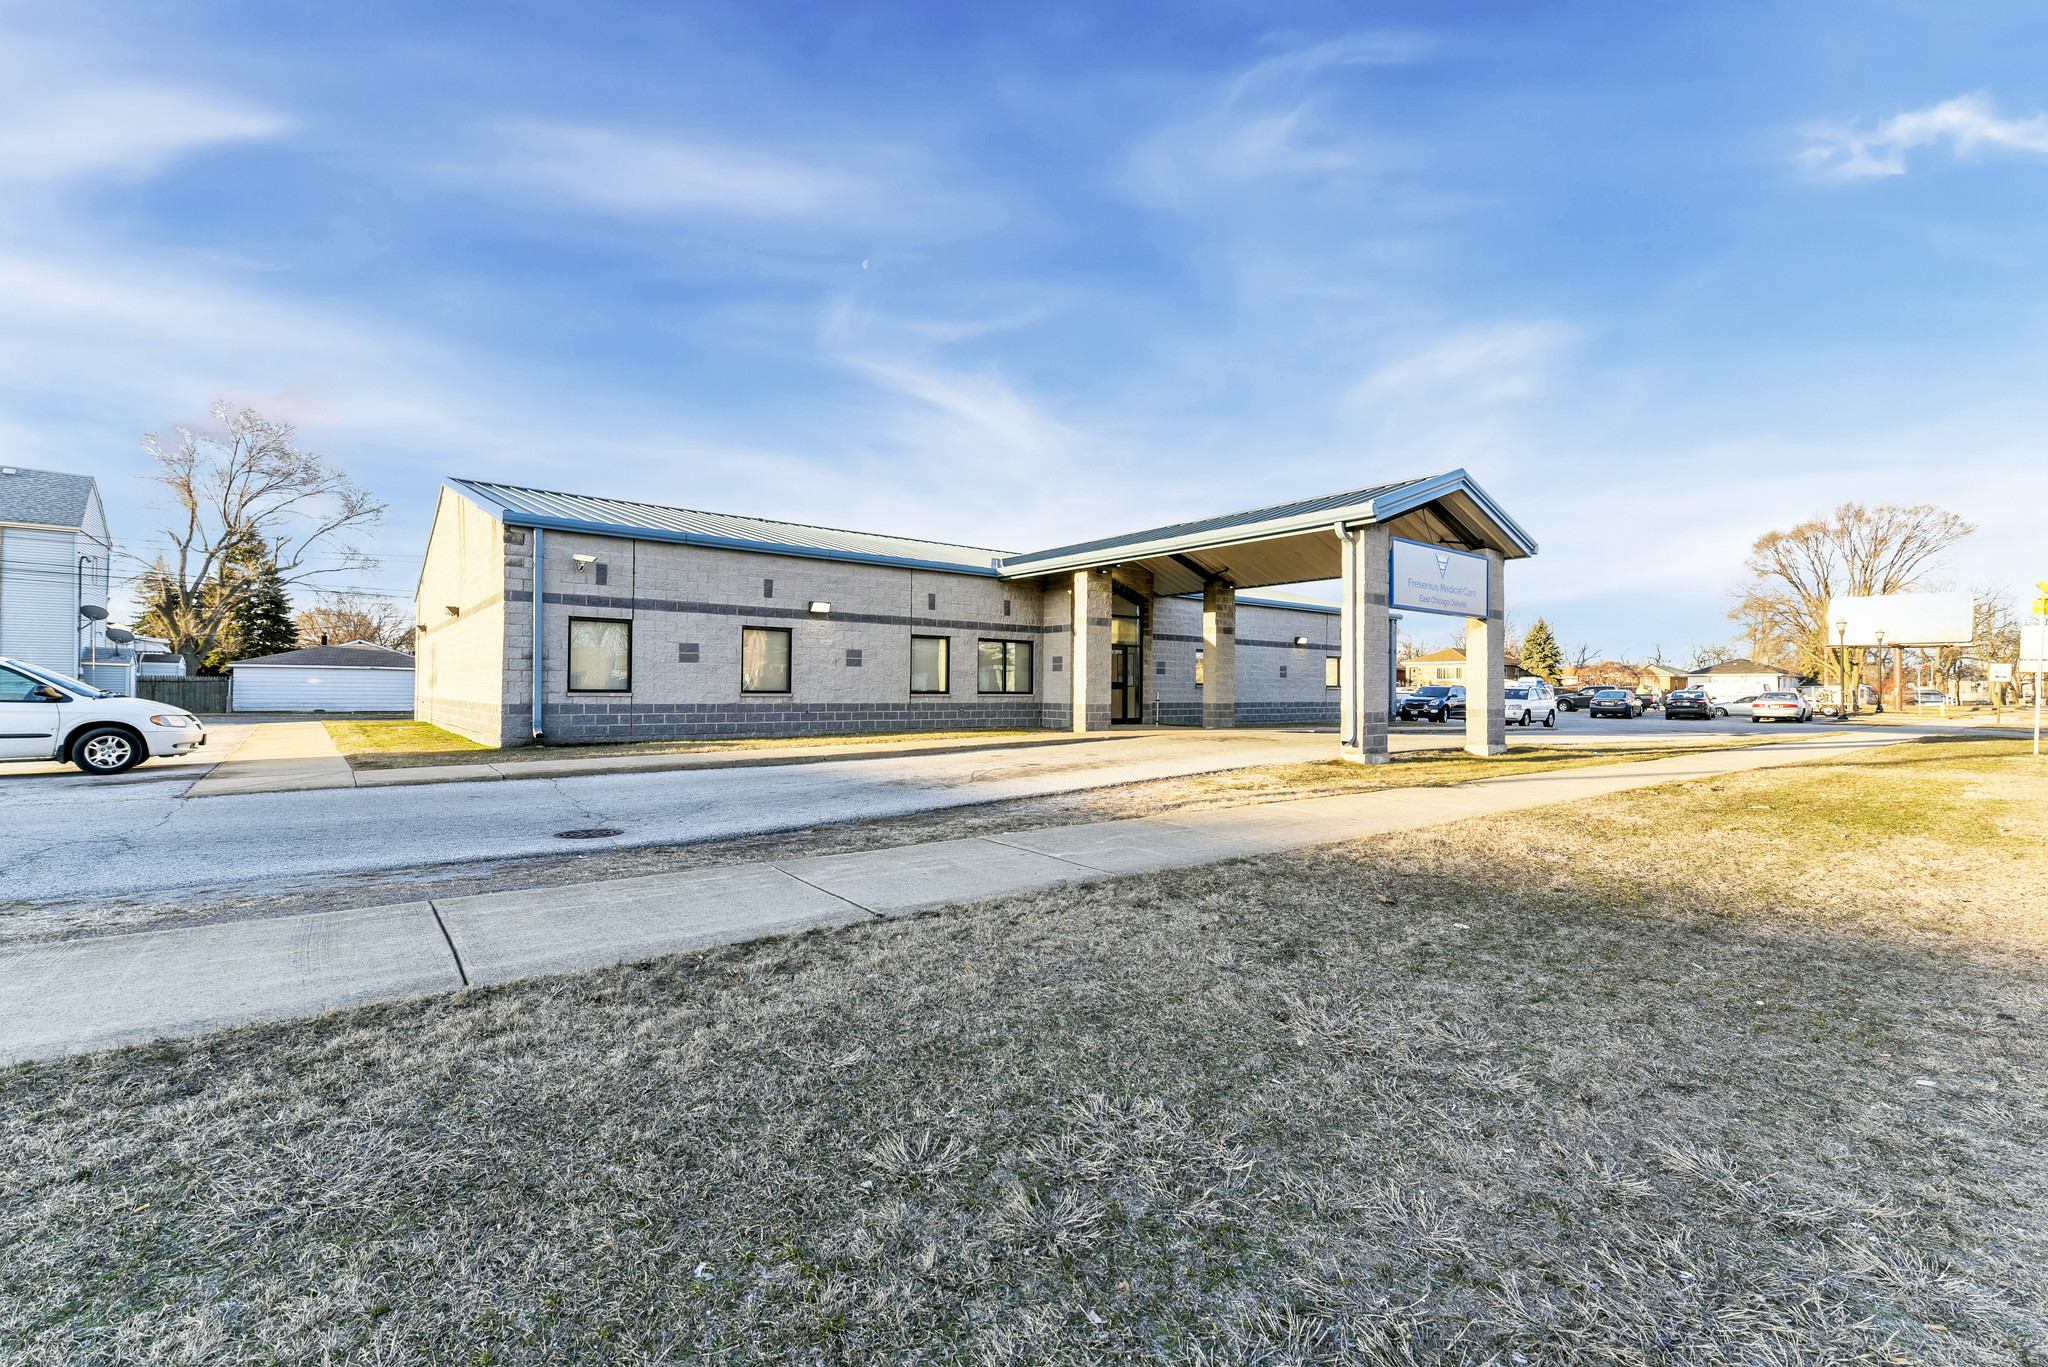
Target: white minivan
{"x":1530,"y":700}
{"x":49,"y":716}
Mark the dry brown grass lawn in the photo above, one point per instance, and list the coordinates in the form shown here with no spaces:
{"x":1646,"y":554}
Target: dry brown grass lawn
{"x":1748,"y":1071}
{"x":406,"y":744}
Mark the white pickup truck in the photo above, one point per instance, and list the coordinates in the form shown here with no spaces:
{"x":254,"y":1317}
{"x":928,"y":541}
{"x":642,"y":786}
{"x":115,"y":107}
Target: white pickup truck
{"x":47,"y":716}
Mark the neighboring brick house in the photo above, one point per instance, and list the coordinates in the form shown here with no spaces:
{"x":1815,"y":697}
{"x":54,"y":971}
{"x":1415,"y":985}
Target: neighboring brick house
{"x":1446,"y":667}
{"x":1604,"y":674}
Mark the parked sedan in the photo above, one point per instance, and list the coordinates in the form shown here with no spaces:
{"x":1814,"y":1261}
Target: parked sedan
{"x":1734,"y":707}
{"x":1689,"y":702}
{"x":1616,"y":702}
{"x":1780,"y":707}
{"x":1438,"y":703}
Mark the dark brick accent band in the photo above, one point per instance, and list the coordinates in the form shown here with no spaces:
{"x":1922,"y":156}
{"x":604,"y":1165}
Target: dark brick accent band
{"x":598,"y":600}
{"x":591,"y":723}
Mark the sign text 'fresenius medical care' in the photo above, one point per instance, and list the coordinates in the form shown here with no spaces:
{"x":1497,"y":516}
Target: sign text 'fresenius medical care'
{"x":1435,"y":579}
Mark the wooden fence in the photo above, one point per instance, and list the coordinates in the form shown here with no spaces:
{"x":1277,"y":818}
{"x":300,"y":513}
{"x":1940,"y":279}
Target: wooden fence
{"x":209,"y":697}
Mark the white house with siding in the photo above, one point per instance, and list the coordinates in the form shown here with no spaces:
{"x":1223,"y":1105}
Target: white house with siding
{"x":56,"y":558}
{"x":360,"y":676}
{"x":1742,"y":679}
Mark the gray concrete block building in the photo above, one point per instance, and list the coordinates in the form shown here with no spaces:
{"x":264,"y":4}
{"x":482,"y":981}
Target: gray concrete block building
{"x":568,"y":619}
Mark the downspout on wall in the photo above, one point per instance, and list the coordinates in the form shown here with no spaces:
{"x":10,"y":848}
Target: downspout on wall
{"x":539,"y":673}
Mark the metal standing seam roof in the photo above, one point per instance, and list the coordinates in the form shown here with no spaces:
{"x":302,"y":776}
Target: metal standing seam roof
{"x":522,"y":507}
{"x":1381,"y":503}
{"x":44,"y":498}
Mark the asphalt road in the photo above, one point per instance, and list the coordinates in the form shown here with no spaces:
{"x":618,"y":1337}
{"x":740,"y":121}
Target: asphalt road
{"x":66,"y":837}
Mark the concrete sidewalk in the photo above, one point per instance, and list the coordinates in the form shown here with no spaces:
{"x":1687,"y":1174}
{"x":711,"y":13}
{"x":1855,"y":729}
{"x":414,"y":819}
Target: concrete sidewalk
{"x":70,"y":996}
{"x":277,"y":757}
{"x":293,"y":756}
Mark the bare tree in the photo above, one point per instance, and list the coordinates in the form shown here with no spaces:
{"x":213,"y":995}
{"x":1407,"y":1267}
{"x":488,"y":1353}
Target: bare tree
{"x":345,"y":617}
{"x":1995,"y":639}
{"x":1713,"y":653}
{"x":247,"y":484}
{"x":1856,"y":551}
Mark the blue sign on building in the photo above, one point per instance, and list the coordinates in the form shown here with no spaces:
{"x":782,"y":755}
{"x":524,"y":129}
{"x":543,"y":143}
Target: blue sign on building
{"x":1430,"y":578}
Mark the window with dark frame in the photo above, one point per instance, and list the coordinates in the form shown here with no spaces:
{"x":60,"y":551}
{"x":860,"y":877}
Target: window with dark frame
{"x":1003,"y":666}
{"x":928,"y":661}
{"x":600,"y":655}
{"x":764,"y":659}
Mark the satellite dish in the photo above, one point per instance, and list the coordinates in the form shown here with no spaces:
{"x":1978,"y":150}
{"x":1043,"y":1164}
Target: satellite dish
{"x":93,"y":612}
{"x":119,"y":637}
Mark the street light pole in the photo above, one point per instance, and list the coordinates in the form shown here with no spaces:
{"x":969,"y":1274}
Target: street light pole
{"x":1849,"y":699}
{"x":1880,"y":671}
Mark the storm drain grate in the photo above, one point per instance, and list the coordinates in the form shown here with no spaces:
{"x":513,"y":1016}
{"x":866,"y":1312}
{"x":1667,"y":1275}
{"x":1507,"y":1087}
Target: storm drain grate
{"x":594,"y":833}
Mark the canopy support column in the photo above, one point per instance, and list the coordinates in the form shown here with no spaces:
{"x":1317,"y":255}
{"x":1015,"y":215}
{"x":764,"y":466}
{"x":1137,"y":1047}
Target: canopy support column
{"x":1365,"y":652}
{"x":1219,"y":654}
{"x":1091,"y":650}
{"x":1486,"y":729}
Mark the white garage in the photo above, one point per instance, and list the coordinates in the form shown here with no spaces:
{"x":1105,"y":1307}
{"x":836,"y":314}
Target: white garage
{"x":356,"y":677}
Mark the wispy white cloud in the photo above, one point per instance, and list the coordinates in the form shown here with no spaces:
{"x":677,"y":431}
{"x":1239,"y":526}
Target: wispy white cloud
{"x":1266,"y":124}
{"x":1968,"y":125}
{"x":1473,"y":368}
{"x":640,"y":174}
{"x":59,"y":123}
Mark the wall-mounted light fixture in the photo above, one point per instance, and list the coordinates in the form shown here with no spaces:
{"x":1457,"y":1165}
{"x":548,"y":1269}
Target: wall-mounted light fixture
{"x":820,"y":605}
{"x":1301,"y":640}
{"x":584,"y":562}
{"x":454,"y":612}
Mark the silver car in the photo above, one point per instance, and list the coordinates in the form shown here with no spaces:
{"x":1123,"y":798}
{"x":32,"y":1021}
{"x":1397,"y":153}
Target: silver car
{"x":1734,"y":707}
{"x":1780,"y":707}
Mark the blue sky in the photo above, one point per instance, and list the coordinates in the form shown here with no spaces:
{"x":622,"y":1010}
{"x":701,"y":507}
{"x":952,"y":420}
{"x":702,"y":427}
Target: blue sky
{"x":1661,"y":277}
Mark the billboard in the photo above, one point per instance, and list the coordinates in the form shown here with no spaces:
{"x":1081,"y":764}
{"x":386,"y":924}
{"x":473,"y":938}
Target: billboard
{"x":2034,"y":650}
{"x":1430,"y":578}
{"x":1906,"y":619}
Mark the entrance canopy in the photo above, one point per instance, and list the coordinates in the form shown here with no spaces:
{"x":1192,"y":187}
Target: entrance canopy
{"x":1293,"y":543}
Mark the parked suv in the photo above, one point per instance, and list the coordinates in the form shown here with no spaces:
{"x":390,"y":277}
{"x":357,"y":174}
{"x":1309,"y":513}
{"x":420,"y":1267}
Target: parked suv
{"x":1530,"y":700}
{"x":1438,"y":703}
{"x":48,"y":716}
{"x":1688,"y":702}
{"x":1616,"y":702}
{"x":1578,"y":700}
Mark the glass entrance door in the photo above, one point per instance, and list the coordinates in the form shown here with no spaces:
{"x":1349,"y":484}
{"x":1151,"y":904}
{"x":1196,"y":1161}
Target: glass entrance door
{"x":1126,"y":661}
